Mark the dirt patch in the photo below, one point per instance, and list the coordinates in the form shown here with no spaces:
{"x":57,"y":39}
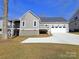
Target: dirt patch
{"x":41,"y":35}
{"x":77,"y":33}
{"x":4,"y":41}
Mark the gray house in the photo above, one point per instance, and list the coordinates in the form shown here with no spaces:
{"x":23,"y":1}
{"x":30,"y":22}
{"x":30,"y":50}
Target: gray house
{"x":74,"y":22}
{"x":31,"y":24}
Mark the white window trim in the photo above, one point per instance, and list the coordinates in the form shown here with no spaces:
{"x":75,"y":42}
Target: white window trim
{"x":33,"y":23}
{"x":22,"y":23}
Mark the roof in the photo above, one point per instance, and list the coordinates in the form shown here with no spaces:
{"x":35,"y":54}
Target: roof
{"x":76,"y":14}
{"x":52,"y":19}
{"x":30,"y":11}
{"x":44,"y":19}
{"x":15,"y":20}
{"x":1,"y":19}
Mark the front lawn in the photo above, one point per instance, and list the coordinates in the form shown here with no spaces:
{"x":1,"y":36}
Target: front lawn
{"x":13,"y":49}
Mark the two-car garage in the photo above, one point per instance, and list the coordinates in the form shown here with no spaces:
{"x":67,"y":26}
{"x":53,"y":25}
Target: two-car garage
{"x":55,"y":28}
{"x":59,"y":28}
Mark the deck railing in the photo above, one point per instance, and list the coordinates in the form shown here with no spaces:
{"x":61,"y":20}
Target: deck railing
{"x":42,"y":26}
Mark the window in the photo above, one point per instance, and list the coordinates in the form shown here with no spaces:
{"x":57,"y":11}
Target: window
{"x":23,"y":23}
{"x":60,"y":26}
{"x":52,"y":26}
{"x":64,"y":27}
{"x":34,"y":23}
{"x":0,"y":29}
{"x":76,"y":18}
{"x":56,"y":26}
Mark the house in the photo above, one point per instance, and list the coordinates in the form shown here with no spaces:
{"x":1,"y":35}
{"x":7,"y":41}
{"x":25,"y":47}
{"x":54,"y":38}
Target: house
{"x":31,"y":24}
{"x":74,"y":22}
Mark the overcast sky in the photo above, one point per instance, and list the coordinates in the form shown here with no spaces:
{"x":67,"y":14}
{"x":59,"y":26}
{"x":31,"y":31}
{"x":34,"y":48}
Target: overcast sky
{"x":52,"y":8}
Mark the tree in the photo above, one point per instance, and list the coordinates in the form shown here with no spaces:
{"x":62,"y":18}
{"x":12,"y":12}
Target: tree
{"x":5,"y":20}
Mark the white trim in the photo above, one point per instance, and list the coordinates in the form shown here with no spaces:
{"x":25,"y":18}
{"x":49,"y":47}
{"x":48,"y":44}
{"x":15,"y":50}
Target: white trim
{"x":13,"y":28}
{"x":29,"y":29}
{"x":33,"y":23}
{"x":23,"y":23}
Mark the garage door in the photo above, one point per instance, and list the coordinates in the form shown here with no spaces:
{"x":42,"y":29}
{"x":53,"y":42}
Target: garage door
{"x":58,"y":30}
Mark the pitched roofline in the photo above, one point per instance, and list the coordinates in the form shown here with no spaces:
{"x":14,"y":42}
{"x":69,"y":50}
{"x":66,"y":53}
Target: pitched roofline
{"x":29,"y":11}
{"x":74,"y":13}
{"x":54,"y":22}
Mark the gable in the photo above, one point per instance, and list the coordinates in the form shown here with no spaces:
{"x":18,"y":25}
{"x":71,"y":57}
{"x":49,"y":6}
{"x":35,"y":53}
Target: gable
{"x":28,"y":19}
{"x":30,"y":13}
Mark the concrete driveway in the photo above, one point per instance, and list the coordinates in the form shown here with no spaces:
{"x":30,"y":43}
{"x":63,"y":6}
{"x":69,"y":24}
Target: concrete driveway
{"x":61,"y":38}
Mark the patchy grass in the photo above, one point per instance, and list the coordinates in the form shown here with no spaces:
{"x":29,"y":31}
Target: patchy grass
{"x":75,"y":33}
{"x":13,"y":49}
{"x":38,"y":51}
{"x":18,"y":39}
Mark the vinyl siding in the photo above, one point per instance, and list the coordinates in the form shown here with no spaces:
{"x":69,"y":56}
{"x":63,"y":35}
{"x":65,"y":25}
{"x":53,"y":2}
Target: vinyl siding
{"x":28,"y":20}
{"x":29,"y":28}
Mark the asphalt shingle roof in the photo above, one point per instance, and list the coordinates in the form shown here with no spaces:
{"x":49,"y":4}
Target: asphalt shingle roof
{"x":52,"y":19}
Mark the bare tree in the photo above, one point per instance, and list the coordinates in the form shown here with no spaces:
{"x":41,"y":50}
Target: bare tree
{"x":5,"y":20}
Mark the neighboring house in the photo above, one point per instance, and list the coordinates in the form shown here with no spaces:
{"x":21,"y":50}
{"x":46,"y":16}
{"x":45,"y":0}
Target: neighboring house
{"x":31,"y":24}
{"x":74,"y":22}
{"x":13,"y":27}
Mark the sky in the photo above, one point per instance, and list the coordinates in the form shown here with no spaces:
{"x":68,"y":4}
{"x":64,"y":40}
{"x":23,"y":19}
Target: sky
{"x":49,"y":8}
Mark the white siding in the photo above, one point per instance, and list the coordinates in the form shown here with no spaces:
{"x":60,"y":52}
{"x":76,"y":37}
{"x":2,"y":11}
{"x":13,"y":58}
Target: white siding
{"x":49,"y":26}
{"x":28,"y":20}
{"x":29,"y":27}
{"x":1,"y":25}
